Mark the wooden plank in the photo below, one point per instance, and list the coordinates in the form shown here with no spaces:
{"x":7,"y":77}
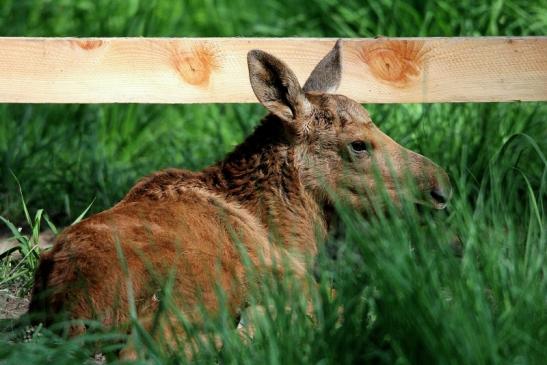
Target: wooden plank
{"x":214,"y":70}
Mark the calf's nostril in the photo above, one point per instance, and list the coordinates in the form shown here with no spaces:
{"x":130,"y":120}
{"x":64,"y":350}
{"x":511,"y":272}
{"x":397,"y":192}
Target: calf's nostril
{"x":438,"y":195}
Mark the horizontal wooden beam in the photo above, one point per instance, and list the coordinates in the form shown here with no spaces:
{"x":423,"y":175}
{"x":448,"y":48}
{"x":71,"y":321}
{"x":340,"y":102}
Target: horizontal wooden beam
{"x":214,"y":70}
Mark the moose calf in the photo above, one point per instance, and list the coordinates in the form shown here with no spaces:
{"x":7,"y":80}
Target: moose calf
{"x":270,"y":196}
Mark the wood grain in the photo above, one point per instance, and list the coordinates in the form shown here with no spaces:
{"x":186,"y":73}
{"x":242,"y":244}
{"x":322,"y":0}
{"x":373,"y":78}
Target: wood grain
{"x":214,"y":70}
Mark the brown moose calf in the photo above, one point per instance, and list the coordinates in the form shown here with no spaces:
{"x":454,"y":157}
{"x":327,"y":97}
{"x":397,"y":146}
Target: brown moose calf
{"x":271,"y":195}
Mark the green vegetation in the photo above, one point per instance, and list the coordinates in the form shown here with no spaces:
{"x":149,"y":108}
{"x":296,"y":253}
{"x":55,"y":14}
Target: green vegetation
{"x":406,"y":297}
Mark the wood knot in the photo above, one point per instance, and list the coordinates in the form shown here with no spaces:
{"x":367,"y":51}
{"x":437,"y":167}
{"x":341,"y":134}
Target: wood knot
{"x":196,"y":65}
{"x":398,"y":63}
{"x":88,"y":44}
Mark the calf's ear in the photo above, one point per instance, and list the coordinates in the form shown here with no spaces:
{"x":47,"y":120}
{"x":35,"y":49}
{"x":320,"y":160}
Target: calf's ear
{"x":276,"y":86}
{"x":326,"y":76}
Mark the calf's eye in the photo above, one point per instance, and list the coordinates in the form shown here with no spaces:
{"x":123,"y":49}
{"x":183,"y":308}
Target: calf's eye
{"x":359,"y":147}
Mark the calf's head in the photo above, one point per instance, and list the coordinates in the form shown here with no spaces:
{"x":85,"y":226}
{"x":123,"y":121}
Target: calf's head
{"x":338,"y":148}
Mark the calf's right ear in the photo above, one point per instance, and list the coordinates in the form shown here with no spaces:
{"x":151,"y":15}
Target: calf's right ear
{"x":276,"y":86}
{"x":326,"y":76}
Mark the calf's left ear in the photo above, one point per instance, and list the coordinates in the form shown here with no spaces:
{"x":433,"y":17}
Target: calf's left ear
{"x":276,"y":86}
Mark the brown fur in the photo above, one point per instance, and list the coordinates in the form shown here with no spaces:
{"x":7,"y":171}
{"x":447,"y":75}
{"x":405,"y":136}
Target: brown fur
{"x":271,"y":195}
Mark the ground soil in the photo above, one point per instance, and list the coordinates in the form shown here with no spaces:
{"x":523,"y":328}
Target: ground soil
{"x":14,"y":300}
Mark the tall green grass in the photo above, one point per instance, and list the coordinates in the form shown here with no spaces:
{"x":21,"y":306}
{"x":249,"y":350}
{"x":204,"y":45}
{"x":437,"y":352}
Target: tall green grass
{"x":407,"y":296}
{"x":404,"y":292}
